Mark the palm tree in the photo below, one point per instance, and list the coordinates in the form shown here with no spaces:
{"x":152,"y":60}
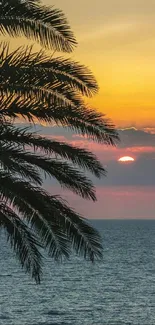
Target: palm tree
{"x":42,"y":88}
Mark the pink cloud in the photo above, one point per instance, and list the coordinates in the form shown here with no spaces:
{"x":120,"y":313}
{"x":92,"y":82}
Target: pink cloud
{"x":107,"y":153}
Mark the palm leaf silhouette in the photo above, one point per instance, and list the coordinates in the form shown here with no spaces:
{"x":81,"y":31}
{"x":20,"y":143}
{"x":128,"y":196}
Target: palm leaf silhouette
{"x":41,"y":88}
{"x":48,"y":26}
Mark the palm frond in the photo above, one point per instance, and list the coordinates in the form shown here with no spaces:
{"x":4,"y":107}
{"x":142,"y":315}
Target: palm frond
{"x":66,"y":175}
{"x":21,"y":168}
{"x":49,"y":98}
{"x":29,"y":89}
{"x":37,"y":205}
{"x":69,"y":73}
{"x":42,"y":76}
{"x":49,"y":232}
{"x":85,"y":239}
{"x":48,"y":26}
{"x":66,"y":225}
{"x":80,"y":119}
{"x":22,"y":240}
{"x":23,"y":137}
{"x":40,"y":69}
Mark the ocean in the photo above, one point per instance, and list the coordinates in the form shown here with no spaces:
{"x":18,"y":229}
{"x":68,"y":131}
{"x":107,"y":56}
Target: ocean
{"x":120,"y":290}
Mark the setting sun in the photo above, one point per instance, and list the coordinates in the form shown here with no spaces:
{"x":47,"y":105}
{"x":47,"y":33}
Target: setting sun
{"x":126,"y":159}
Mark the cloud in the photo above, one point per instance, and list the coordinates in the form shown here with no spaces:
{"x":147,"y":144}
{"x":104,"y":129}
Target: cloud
{"x":136,"y":143}
{"x":132,"y":137}
{"x":129,"y":136}
{"x":139,"y":173}
{"x":128,"y":191}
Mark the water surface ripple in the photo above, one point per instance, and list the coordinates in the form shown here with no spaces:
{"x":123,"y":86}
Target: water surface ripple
{"x":118,"y":291}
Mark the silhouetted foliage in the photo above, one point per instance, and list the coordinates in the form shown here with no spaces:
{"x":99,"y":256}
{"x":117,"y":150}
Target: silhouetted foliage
{"x":38,"y":87}
{"x":30,"y":18}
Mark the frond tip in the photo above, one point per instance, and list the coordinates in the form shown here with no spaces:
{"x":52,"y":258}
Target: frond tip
{"x":22,"y":240}
{"x":57,"y":225}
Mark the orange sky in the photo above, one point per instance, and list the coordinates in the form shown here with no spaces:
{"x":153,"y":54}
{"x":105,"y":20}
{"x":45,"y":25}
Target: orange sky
{"x":117,"y":40}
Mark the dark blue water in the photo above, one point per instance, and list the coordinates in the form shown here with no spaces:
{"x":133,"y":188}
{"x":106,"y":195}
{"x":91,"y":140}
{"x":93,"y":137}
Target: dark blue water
{"x":118,"y":291}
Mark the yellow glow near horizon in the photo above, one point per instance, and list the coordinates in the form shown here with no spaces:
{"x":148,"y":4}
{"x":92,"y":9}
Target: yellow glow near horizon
{"x":126,"y":159}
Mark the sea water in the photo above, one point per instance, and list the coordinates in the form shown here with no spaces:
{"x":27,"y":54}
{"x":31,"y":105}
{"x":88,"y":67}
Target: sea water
{"x":120,"y":290}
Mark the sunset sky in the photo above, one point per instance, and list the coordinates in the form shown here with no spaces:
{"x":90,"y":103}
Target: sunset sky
{"x":116,"y":39}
